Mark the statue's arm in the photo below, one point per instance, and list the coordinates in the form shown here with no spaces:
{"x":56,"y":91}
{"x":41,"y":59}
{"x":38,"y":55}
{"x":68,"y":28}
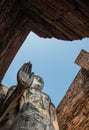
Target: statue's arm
{"x":25,"y":79}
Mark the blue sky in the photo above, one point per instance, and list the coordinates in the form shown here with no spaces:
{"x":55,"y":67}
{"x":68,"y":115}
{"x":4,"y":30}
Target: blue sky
{"x":52,"y":59}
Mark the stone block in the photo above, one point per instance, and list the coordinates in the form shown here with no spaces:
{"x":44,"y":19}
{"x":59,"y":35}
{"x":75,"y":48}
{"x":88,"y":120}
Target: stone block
{"x":83,"y":60}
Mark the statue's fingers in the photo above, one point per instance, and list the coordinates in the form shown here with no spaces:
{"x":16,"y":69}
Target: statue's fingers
{"x":31,"y":77}
{"x":23,"y":67}
{"x":30,"y":80}
{"x":27,"y":68}
{"x":19,"y":72}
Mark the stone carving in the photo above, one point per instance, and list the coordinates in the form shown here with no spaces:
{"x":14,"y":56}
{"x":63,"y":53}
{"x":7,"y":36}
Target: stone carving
{"x":10,"y":105}
{"x":73,"y":111}
{"x":37,"y":111}
{"x":33,"y":110}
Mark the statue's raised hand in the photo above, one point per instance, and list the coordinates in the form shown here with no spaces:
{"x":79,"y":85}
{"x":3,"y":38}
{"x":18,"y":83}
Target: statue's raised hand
{"x":25,"y":76}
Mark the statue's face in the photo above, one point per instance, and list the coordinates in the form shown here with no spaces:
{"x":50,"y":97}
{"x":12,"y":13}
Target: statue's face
{"x":46,"y":101}
{"x":38,"y":83}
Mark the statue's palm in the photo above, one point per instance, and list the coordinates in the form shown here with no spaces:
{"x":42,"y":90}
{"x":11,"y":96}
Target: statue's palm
{"x":25,"y":76}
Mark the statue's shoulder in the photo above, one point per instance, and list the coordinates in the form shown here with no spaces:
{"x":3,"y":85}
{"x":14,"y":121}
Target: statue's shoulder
{"x":3,"y":89}
{"x":3,"y":93}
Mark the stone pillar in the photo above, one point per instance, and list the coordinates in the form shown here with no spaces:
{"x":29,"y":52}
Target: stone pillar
{"x":73,"y":111}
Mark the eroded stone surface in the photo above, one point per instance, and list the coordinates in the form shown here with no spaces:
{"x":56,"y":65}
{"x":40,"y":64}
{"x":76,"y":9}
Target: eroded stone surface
{"x":83,"y":59}
{"x":73,"y":111}
{"x":37,"y":111}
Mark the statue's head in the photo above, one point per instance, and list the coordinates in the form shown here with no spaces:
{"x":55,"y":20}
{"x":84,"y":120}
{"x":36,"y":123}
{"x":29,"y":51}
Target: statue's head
{"x":38,"y":83}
